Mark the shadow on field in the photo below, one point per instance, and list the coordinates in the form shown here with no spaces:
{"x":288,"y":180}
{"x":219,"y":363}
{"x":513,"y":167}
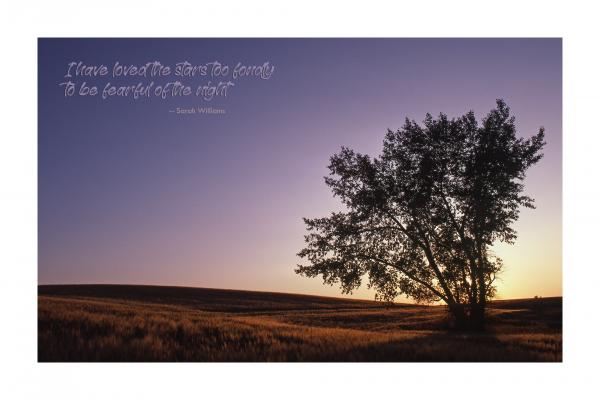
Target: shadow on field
{"x":451,"y":347}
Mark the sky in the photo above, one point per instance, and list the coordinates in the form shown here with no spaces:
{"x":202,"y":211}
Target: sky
{"x":132,"y":192}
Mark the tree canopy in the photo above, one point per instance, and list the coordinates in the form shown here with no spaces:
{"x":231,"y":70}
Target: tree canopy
{"x":420,"y":218}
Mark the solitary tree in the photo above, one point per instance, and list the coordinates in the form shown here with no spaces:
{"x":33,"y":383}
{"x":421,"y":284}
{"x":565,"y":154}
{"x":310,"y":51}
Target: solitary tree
{"x":420,"y":219}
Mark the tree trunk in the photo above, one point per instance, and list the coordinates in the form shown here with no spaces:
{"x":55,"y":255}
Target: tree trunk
{"x":477,"y":318}
{"x":468,"y":317}
{"x":460,"y":316}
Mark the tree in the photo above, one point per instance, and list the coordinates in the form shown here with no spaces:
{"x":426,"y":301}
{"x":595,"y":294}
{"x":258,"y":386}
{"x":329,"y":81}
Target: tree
{"x":420,"y":219}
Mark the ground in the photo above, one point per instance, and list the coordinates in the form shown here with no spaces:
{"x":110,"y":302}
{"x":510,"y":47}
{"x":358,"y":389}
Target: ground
{"x":157,"y":323}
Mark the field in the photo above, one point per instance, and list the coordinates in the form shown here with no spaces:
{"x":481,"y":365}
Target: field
{"x":157,"y":323}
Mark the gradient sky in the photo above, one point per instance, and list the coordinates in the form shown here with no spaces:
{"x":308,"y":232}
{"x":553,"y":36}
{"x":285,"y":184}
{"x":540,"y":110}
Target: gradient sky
{"x":131,"y":193}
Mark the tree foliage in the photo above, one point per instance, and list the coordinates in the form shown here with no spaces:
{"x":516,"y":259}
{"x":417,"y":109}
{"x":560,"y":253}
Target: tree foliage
{"x":420,"y":219}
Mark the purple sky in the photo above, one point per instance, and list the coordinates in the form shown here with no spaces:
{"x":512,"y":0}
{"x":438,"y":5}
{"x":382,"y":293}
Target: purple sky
{"x":131,"y":193}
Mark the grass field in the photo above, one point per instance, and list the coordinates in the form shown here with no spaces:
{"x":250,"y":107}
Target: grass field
{"x":156,"y":323}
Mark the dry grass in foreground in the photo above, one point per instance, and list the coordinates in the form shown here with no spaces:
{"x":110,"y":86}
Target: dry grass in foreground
{"x":146,"y":323}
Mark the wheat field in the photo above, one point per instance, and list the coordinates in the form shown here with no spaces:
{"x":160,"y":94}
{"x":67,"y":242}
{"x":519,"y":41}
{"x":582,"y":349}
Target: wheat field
{"x":127,"y":323}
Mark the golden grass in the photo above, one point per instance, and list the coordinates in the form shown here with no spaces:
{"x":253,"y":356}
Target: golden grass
{"x":79,"y":328}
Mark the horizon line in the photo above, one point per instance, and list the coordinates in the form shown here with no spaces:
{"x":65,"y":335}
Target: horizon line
{"x":282,"y":293}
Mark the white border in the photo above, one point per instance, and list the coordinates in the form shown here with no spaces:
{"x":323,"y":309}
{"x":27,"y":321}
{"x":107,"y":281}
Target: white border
{"x":22,"y":23}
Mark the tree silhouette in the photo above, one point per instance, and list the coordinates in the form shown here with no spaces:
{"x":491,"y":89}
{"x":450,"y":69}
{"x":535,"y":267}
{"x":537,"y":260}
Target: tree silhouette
{"x":420,"y":218}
